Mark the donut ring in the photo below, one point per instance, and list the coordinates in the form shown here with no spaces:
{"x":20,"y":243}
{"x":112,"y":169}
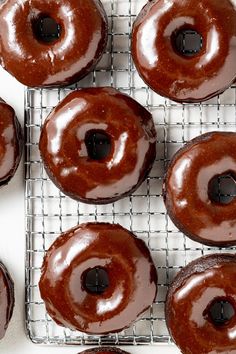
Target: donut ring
{"x":132,"y":284}
{"x":104,"y":350}
{"x":36,"y":63}
{"x":172,"y":74}
{"x":6,"y":299}
{"x":186,"y":189}
{"x":196,"y":288}
{"x":10,"y":143}
{"x":65,"y":151}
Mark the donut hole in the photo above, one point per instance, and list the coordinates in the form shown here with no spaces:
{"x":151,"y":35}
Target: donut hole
{"x":98,"y":144}
{"x":96,"y":280}
{"x":220,"y":312}
{"x":222,"y":189}
{"x":46,"y":29}
{"x":187,"y":42}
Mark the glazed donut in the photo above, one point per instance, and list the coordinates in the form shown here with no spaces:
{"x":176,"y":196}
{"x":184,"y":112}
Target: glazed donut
{"x":190,"y":298}
{"x":165,"y":68}
{"x":79,"y":40}
{"x":104,"y":350}
{"x":10,"y":143}
{"x":74,"y":133}
{"x":187,"y":189}
{"x":123,"y":261}
{"x":6,"y":299}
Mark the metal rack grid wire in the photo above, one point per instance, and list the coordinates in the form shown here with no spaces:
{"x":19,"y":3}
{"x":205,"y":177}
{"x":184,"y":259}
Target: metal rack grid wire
{"x":49,"y":212}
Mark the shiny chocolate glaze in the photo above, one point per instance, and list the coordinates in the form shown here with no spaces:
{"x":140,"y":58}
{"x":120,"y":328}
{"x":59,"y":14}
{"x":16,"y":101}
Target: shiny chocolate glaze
{"x":104,"y":350}
{"x":173,"y":75}
{"x":10,"y":143}
{"x":35,"y":63}
{"x":133,"y":145}
{"x":131,"y":272}
{"x":197,"y":287}
{"x":186,"y":189}
{"x":6,"y":299}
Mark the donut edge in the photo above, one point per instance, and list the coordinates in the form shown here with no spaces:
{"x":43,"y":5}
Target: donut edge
{"x":143,"y":12}
{"x":149,"y":158}
{"x":204,"y":137}
{"x":18,"y":132}
{"x":139,"y":243}
{"x":195,"y":267}
{"x":11,"y":295}
{"x":104,"y":349}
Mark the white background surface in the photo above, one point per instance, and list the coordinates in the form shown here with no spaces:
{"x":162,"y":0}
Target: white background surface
{"x":12,"y":247}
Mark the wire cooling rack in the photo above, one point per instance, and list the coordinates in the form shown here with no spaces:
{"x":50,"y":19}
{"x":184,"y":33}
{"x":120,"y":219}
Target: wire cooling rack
{"x":49,"y":212}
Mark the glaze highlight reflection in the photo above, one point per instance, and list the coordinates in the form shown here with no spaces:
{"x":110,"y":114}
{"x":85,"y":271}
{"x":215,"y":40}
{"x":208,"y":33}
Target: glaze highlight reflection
{"x":195,"y":288}
{"x":6,"y":299}
{"x":35,"y":63}
{"x":172,"y":74}
{"x":10,"y":143}
{"x":186,"y":189}
{"x":130,"y":128}
{"x":127,"y":261}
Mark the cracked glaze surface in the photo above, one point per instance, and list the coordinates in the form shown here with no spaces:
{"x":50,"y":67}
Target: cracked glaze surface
{"x":133,"y":145}
{"x":128,"y":263}
{"x":186,"y":189}
{"x":35,"y":63}
{"x":173,"y":75}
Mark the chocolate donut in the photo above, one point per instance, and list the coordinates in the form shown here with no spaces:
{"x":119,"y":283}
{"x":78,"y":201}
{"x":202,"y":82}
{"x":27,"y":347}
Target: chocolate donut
{"x":78,"y":130}
{"x":126,"y":279}
{"x":193,"y":76}
{"x":45,"y":43}
{"x":6,"y":299}
{"x":190,"y":298}
{"x":104,"y":350}
{"x":10,"y":143}
{"x":187,"y":189}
